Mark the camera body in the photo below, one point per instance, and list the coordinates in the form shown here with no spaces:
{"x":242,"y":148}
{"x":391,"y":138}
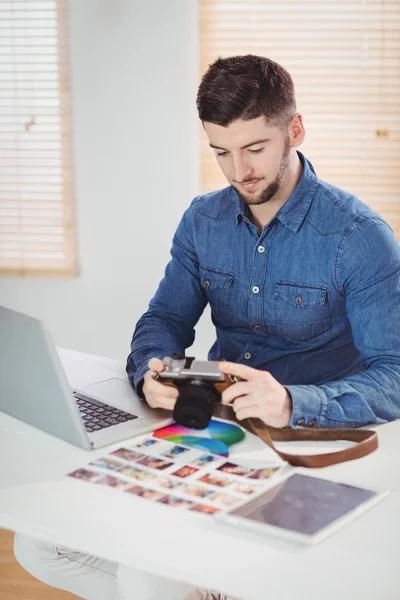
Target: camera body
{"x":200,"y":384}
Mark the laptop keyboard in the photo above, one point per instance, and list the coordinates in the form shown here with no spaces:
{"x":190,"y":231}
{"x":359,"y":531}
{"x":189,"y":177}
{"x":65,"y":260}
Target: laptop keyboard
{"x":97,"y":415}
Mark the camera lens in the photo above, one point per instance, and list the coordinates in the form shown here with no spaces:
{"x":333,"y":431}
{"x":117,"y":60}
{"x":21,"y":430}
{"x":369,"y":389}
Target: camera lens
{"x":195,"y":404}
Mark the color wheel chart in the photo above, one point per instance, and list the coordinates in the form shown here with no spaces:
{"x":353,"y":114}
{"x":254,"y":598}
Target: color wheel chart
{"x":215,"y":438}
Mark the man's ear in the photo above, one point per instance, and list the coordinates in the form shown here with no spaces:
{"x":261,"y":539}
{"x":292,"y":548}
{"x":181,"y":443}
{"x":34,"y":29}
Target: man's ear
{"x":297,"y":132}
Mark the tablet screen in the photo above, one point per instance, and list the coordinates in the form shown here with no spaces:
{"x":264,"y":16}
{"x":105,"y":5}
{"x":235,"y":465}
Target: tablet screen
{"x":304,"y":504}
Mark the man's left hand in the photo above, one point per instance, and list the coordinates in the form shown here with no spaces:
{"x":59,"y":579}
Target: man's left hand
{"x":257,"y":395}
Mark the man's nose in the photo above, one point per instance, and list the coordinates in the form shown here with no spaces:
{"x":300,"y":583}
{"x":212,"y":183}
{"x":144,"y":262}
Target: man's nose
{"x":241,"y":169}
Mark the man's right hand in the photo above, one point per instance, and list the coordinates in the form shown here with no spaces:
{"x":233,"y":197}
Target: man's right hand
{"x":157,"y":394}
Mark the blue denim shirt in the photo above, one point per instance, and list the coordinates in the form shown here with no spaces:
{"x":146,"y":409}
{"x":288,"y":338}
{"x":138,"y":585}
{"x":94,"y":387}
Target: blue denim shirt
{"x":313,"y":299}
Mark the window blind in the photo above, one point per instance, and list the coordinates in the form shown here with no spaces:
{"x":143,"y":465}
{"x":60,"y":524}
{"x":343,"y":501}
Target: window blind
{"x":36,"y":208}
{"x":344,"y":57}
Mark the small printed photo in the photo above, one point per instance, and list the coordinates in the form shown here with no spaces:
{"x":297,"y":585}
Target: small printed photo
{"x":242,"y":488}
{"x":136,"y":473}
{"x":175,"y":451}
{"x":204,"y":460}
{"x":216,"y":479}
{"x":233,"y":469}
{"x":127,"y":454}
{"x":265,"y":473}
{"x":114,"y":482}
{"x":169,"y":484}
{"x":185,"y":471}
{"x":174,"y":501}
{"x":195,"y":490}
{"x":223,"y":499}
{"x":155,"y":463}
{"x":147,"y":443}
{"x":138,"y":490}
{"x":107,"y":463}
{"x":203,"y":508}
{"x":85,"y":474}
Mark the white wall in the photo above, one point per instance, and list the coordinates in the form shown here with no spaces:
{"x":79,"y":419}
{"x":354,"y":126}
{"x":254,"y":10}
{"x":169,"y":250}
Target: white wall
{"x":134,"y":75}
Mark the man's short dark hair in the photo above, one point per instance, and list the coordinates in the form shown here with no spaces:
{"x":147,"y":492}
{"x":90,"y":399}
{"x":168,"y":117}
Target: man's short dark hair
{"x":246,"y":87}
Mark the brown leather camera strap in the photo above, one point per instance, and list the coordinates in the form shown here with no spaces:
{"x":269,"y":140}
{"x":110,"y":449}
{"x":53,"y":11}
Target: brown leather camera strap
{"x":365,"y":440}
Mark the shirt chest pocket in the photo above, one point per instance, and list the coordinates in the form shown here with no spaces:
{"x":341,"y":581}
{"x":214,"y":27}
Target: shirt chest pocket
{"x":218,"y":285}
{"x":301,"y":311}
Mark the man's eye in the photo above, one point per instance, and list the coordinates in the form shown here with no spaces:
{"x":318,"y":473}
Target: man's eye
{"x":257,"y":151}
{"x":221,"y":153}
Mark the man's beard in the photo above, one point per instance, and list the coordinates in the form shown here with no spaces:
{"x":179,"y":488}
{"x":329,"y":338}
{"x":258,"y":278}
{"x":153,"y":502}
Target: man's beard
{"x":273,"y":187}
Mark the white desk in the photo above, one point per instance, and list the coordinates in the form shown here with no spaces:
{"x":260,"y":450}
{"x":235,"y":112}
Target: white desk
{"x":358,"y":562}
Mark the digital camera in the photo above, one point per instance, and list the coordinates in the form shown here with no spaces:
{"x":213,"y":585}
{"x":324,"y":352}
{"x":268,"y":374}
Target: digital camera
{"x":200,"y":384}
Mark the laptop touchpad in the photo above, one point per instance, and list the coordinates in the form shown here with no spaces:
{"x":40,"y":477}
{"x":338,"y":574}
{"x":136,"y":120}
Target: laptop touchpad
{"x":111,"y":390}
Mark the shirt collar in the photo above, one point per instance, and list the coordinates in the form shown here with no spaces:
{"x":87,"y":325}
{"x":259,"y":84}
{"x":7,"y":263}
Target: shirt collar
{"x":293,"y":212}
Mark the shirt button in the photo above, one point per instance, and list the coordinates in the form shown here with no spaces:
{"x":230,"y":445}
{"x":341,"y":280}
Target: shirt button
{"x":247,"y":355}
{"x":312,"y":423}
{"x":261,"y":249}
{"x":301,"y":422}
{"x":299,"y":299}
{"x":206,"y":284}
{"x":255,"y":289}
{"x":257,"y":327}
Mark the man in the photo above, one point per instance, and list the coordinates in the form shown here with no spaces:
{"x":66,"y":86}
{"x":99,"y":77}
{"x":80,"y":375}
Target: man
{"x":303,"y":281}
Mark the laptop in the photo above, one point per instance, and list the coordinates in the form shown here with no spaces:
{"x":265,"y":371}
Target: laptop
{"x":34,"y":389}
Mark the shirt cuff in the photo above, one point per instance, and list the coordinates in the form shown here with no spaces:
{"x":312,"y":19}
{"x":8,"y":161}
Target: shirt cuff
{"x":138,"y":381}
{"x":310,"y":406}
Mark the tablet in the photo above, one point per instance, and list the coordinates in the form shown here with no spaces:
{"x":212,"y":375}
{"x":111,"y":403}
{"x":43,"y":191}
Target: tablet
{"x":302,"y":508}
